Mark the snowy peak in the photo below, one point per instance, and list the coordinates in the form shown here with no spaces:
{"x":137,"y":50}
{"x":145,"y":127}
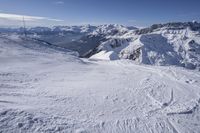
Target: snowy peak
{"x":111,"y":29}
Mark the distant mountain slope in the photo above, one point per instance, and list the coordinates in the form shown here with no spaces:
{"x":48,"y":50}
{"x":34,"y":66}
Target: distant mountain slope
{"x":82,"y":39}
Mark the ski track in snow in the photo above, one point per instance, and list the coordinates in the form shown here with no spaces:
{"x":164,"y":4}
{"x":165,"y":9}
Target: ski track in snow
{"x":44,"y":90}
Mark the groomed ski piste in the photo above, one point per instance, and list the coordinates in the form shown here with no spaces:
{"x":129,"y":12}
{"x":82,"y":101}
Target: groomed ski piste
{"x":43,"y":89}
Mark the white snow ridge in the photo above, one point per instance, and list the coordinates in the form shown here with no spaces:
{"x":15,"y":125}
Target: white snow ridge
{"x":132,"y":81}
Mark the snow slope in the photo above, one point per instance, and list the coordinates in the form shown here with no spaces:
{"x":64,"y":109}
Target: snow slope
{"x":48,"y":90}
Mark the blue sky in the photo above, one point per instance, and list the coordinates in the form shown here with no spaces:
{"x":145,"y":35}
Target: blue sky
{"x":77,"y":12}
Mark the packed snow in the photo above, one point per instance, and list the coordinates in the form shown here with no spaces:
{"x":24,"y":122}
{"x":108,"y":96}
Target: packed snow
{"x":43,"y":89}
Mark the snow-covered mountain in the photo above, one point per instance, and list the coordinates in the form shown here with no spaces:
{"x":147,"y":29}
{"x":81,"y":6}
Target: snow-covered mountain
{"x":163,"y":44}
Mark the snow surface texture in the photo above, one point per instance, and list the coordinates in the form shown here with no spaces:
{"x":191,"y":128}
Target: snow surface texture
{"x":48,"y":90}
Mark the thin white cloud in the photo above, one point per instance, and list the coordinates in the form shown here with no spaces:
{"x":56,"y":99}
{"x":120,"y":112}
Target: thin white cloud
{"x":59,"y":2}
{"x":17,"y":17}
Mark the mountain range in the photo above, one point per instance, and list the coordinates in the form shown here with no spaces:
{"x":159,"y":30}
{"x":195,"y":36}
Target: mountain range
{"x":176,"y":43}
